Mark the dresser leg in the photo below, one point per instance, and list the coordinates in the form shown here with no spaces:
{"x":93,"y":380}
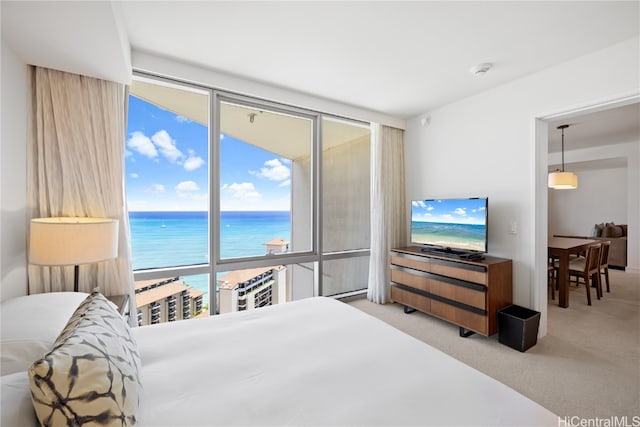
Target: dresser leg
{"x":409,"y":310}
{"x":464,"y":333}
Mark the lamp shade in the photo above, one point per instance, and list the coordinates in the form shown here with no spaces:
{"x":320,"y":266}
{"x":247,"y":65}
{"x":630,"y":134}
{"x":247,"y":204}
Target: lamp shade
{"x":563,"y":180}
{"x":72,"y":240}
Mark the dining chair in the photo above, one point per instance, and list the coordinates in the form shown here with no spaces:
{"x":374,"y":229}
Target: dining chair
{"x":604,"y":262}
{"x":588,"y":267}
{"x":551,"y":278}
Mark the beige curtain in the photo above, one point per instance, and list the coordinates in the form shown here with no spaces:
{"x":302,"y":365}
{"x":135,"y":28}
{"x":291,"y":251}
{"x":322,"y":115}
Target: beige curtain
{"x":75,"y":167}
{"x":388,"y":206}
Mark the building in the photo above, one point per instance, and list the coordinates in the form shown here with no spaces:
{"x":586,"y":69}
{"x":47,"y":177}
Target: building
{"x":277,"y":246}
{"x":166,"y":300}
{"x":257,"y":287}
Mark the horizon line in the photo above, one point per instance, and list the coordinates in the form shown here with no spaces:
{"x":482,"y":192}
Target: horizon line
{"x":233,"y":210}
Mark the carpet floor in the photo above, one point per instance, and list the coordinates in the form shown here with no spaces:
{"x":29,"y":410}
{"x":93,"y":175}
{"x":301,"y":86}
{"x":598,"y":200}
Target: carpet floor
{"x":588,"y":365}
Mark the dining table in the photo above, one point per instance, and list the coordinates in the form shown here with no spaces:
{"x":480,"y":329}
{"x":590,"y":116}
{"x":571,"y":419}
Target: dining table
{"x":562,"y":248}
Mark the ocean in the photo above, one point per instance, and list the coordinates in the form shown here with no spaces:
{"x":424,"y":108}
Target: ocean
{"x":460,"y":236}
{"x":169,"y":239}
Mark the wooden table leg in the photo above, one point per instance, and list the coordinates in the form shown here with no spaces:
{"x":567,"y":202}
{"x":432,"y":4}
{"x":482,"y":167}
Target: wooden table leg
{"x":563,"y":280}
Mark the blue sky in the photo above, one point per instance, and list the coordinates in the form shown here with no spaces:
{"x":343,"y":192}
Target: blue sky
{"x":457,"y":211}
{"x":167,"y":166}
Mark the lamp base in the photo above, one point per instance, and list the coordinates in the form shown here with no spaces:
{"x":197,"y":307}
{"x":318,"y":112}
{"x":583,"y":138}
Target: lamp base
{"x":76,"y":270}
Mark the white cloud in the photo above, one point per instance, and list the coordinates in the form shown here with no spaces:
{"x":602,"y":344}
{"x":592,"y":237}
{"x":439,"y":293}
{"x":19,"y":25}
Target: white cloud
{"x":273,"y":170}
{"x":167,"y":146}
{"x":244,"y":191}
{"x":182,"y":119}
{"x":460,"y":211}
{"x":187,"y":187}
{"x":422,"y":217}
{"x":140,"y":143}
{"x":193,"y":162}
{"x":188,"y":192}
{"x":155,"y":188}
{"x":286,"y":183}
{"x":134,"y":175}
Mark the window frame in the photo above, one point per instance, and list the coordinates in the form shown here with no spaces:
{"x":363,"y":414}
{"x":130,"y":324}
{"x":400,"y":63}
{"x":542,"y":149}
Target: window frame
{"x":314,"y":256}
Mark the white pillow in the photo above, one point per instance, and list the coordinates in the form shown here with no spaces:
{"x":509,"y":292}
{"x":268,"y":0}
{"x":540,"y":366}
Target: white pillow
{"x":16,"y":407}
{"x":30,"y":325}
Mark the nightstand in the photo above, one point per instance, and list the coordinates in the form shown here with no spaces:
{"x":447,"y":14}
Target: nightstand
{"x":122,"y":302}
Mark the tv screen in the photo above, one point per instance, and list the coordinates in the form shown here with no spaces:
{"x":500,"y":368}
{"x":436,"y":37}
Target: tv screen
{"x":450,"y":225}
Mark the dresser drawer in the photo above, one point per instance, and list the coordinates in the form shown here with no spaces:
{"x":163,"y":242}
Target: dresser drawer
{"x":410,"y":278}
{"x":410,"y":299}
{"x":464,"y":295}
{"x":462,"y":317}
{"x":468,"y":272}
{"x":410,"y":261}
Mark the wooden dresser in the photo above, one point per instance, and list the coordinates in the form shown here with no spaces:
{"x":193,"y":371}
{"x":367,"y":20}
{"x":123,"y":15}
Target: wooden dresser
{"x":464,"y":292}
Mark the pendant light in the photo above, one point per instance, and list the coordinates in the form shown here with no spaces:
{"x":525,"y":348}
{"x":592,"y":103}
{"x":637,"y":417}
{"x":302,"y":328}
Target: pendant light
{"x":561,"y":180}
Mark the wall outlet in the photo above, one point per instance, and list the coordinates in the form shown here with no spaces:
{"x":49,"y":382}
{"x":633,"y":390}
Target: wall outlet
{"x":513,"y":228}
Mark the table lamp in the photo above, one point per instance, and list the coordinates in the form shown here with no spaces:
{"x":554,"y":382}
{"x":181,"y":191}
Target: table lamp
{"x":64,"y":241}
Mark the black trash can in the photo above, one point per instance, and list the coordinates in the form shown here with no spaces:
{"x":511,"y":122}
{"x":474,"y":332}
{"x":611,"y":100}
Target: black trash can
{"x":518,"y":327}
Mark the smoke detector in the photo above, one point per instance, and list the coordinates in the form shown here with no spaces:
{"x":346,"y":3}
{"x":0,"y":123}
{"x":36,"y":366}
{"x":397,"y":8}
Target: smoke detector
{"x":480,"y":69}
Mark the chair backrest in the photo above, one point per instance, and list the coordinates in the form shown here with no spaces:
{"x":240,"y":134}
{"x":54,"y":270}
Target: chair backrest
{"x":604,"y":254}
{"x":592,"y":264}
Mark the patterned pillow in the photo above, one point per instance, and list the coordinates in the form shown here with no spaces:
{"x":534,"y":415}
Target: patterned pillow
{"x":92,"y":375}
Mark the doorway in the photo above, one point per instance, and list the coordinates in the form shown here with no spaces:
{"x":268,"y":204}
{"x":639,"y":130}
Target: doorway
{"x":610,"y":152}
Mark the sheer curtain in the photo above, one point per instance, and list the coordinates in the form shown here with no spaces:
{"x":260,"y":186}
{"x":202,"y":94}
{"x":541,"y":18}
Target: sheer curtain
{"x":75,"y":167}
{"x":388,"y":206}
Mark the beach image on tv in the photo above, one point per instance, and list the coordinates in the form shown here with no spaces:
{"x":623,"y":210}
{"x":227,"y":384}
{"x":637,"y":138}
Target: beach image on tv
{"x":451,"y":223}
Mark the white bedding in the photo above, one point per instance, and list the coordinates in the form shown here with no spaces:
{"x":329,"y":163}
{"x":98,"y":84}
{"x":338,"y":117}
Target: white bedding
{"x":311,"y":362}
{"x":30,"y":324}
{"x":314,"y":362}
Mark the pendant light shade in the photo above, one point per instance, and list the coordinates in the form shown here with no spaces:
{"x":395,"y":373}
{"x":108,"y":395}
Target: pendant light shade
{"x":561,"y":180}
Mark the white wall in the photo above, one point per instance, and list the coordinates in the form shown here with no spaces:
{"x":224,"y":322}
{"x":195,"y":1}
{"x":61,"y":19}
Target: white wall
{"x":485,"y":145}
{"x":601,"y":196}
{"x":13,"y":176}
{"x":604,"y":194}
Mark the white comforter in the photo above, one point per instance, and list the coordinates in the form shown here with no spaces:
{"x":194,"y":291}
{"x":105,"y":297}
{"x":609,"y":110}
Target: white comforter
{"x":314,"y":362}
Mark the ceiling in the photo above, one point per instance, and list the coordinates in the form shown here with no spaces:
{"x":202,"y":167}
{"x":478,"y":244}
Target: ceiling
{"x":398,"y":58}
{"x":612,"y":126}
{"x":259,"y":126}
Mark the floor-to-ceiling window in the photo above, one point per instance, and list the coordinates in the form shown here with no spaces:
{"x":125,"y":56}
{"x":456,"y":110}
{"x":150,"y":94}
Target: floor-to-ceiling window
{"x":167,"y":187}
{"x":237,"y":202}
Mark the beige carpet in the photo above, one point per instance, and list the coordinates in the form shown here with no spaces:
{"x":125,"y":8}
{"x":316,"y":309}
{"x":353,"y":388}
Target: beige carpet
{"x":587,"y":366}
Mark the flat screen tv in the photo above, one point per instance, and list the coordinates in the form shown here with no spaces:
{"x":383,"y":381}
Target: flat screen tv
{"x":450,"y":226}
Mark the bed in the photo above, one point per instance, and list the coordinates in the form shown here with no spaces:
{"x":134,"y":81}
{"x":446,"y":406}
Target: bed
{"x":316,"y":361}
